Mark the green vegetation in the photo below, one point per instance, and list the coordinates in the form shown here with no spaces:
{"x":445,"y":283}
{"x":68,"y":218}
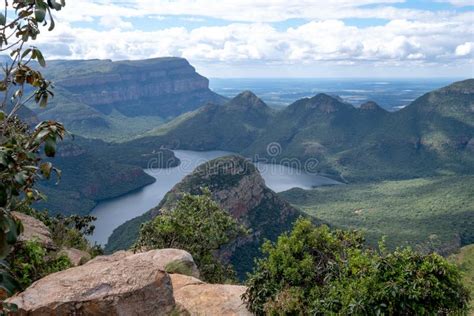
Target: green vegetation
{"x":430,"y":137}
{"x":230,"y":179}
{"x":464,"y":259}
{"x":429,"y":213}
{"x":117,"y":101}
{"x":20,"y":162}
{"x":93,"y":170}
{"x":30,"y":261}
{"x":197,"y":225}
{"x":68,"y":232}
{"x":231,"y":126}
{"x":315,"y":271}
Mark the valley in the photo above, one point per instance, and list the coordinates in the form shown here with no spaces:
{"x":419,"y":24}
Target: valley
{"x":236,"y":158}
{"x":112,"y":213}
{"x":406,"y":172}
{"x":397,"y":166}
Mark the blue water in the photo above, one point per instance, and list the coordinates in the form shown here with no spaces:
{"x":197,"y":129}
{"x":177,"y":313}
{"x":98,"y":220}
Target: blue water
{"x":389,"y":93}
{"x":114,"y":212}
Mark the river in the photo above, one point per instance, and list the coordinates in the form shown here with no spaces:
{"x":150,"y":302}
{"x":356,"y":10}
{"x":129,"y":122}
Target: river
{"x":114,"y":212}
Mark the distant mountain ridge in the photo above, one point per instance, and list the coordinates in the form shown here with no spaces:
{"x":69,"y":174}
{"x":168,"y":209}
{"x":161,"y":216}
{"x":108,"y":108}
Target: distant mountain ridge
{"x":231,"y":126}
{"x":110,"y":99}
{"x":433,"y":135}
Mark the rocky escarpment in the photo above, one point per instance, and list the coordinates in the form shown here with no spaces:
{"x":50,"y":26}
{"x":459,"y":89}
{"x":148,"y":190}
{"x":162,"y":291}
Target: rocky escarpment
{"x":130,"y":284}
{"x":160,"y":86}
{"x":238,"y":188}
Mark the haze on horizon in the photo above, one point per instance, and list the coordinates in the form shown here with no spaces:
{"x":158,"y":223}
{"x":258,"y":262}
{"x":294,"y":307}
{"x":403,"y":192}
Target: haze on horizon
{"x":263,"y":38}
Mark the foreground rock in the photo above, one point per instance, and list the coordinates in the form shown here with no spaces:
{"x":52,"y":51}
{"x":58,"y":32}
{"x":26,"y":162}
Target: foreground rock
{"x":34,"y":229}
{"x":131,"y":284}
{"x":121,"y":284}
{"x":198,"y":298}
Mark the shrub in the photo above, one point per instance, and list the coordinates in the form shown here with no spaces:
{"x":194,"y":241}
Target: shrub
{"x":314,"y":270}
{"x":197,"y":225}
{"x":30,"y":261}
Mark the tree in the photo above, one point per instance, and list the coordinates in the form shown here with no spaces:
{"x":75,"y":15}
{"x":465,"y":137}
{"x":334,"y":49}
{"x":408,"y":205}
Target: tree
{"x":197,"y":225}
{"x":20,"y":161}
{"x":314,"y":270}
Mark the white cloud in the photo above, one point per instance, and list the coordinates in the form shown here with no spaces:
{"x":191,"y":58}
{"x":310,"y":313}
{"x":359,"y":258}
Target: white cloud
{"x":314,"y":41}
{"x":465,"y":49}
{"x":246,"y":10}
{"x":112,"y":22}
{"x":422,"y":38}
{"x":459,"y":3}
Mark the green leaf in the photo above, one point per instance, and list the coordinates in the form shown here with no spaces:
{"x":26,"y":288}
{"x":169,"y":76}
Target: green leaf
{"x":2,"y":115}
{"x":51,"y":24}
{"x":50,"y":146}
{"x":40,"y":14}
{"x":40,"y":58}
{"x":3,"y":20}
{"x":26,"y":52}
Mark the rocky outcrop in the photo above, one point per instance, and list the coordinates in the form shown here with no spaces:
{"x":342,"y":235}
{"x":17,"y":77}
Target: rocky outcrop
{"x":129,"y":284}
{"x":76,"y":256}
{"x":34,"y":229}
{"x":237,"y":186}
{"x":160,"y":86}
{"x":195,"y":297}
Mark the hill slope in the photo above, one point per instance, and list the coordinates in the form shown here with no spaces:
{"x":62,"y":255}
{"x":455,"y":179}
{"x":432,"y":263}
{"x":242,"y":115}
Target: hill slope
{"x":237,"y":187}
{"x":431,"y":136}
{"x":101,"y":98}
{"x":231,"y":126}
{"x":93,"y":170}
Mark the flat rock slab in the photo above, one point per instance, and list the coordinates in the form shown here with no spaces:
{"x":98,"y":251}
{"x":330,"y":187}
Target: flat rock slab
{"x":121,"y":284}
{"x":195,"y":297}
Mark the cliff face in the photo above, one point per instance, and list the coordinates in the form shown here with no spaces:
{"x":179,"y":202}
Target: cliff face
{"x":160,"y":86}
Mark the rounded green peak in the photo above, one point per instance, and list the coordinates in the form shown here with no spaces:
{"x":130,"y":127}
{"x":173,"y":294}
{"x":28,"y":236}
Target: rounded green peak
{"x":247,"y":99}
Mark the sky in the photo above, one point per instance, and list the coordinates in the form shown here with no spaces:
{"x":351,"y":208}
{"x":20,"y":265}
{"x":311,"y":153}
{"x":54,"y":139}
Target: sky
{"x":274,"y":38}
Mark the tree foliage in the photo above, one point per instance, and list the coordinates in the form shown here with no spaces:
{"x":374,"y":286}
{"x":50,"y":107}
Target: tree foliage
{"x":314,"y":270}
{"x":199,"y":226}
{"x":20,"y":161}
{"x":31,"y":261}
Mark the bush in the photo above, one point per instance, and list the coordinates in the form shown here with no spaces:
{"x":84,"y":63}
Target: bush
{"x":30,"y":261}
{"x":70,"y":231}
{"x":199,"y":226}
{"x":314,"y":270}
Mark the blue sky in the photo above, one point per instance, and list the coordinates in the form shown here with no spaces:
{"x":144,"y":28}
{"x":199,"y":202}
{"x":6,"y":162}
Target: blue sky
{"x":275,"y":38}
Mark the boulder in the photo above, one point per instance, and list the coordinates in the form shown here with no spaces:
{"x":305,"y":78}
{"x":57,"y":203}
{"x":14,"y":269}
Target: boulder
{"x":169,"y":260}
{"x":120,"y":284}
{"x":194,"y":297}
{"x":76,"y":256}
{"x":34,"y":229}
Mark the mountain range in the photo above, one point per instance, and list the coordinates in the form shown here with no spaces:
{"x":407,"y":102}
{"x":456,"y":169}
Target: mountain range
{"x":117,"y":100}
{"x":431,"y":136}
